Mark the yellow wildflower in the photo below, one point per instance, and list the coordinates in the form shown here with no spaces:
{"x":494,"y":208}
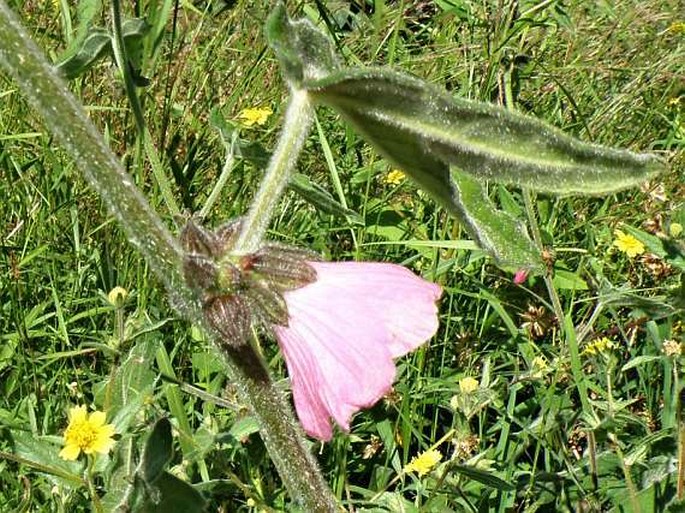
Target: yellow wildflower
{"x":675,"y":230}
{"x":677,"y":27}
{"x":254,"y":116}
{"x":601,"y":345}
{"x":539,"y":363}
{"x":468,"y":385}
{"x":538,"y":367}
{"x":628,"y":244}
{"x":394,"y":177}
{"x":117,"y":296}
{"x":424,"y":462}
{"x":86,"y":433}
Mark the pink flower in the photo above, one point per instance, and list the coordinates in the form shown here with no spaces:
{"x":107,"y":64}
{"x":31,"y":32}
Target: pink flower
{"x":520,"y":276}
{"x":343,"y":332}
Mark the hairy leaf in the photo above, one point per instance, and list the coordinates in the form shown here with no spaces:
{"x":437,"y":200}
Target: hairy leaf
{"x":97,"y":43}
{"x":158,"y":451}
{"x":425,"y":129}
{"x":303,"y":51}
{"x":497,"y":232}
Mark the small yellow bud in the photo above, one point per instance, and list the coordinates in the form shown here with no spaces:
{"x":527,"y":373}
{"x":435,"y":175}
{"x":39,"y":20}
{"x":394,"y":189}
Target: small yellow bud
{"x":117,"y":296}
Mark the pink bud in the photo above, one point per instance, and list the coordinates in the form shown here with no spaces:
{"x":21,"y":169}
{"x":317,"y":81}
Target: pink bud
{"x":520,"y":276}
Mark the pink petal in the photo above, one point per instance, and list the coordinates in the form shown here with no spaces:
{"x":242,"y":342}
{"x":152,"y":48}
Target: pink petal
{"x":344,"y":329}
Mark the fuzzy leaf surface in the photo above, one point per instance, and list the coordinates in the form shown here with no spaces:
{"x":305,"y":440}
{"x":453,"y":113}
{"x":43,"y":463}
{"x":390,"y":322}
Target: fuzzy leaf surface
{"x":425,"y":130}
{"x":496,"y":231}
{"x":303,"y":51}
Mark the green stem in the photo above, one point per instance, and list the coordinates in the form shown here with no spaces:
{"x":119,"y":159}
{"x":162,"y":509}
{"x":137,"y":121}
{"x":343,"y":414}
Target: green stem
{"x":223,"y":177}
{"x":630,"y":484}
{"x":122,"y":61}
{"x":66,"y":119}
{"x":680,"y":422}
{"x":298,"y":120}
{"x":537,"y":238}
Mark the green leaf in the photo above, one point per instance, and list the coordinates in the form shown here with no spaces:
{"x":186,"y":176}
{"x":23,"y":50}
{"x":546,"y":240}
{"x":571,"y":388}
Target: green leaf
{"x":321,"y":199}
{"x":640,"y":360}
{"x":497,"y":232}
{"x":96,"y":44}
{"x":126,"y":390}
{"x":302,"y":50}
{"x":390,"y":502}
{"x":244,"y":427}
{"x":39,"y":454}
{"x":483,"y":477}
{"x":568,"y":280}
{"x":424,"y":130}
{"x":88,"y":10}
{"x":172,"y":495}
{"x":158,"y":451}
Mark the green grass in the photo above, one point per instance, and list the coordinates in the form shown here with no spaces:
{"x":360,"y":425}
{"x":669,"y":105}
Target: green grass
{"x":527,"y":439}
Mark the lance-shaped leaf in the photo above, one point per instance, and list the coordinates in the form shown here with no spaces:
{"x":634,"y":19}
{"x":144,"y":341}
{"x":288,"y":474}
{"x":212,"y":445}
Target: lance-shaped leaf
{"x":425,"y":129}
{"x":321,"y":198}
{"x":303,"y":51}
{"x":97,"y":43}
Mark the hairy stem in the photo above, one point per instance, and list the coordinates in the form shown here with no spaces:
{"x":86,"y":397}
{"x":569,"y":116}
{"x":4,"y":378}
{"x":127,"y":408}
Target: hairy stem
{"x":66,"y":119}
{"x":298,"y":120}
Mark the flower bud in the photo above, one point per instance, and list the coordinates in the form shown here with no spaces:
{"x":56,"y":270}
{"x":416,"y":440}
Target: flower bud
{"x":117,"y":296}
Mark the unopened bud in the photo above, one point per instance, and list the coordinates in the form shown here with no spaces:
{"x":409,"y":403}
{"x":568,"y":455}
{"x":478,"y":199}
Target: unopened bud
{"x":117,"y":296}
{"x":520,"y":276}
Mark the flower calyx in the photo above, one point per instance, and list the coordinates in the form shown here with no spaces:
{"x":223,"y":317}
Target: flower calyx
{"x":235,"y":288}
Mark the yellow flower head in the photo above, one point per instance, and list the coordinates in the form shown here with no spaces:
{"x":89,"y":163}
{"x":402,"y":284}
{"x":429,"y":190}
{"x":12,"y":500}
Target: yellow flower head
{"x":677,"y":27}
{"x":601,"y":345}
{"x":254,"y":116}
{"x":628,"y":244}
{"x":394,"y":177}
{"x":86,"y":433}
{"x":468,"y":385}
{"x":675,"y":230}
{"x":424,"y":462}
{"x":538,"y":367}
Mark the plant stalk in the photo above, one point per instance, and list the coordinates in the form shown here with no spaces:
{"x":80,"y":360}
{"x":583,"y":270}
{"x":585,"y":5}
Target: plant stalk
{"x":298,"y":120}
{"x":123,"y":63}
{"x":66,"y":119}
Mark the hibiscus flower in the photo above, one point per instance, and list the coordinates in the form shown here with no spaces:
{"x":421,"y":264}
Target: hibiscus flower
{"x":343,"y":331}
